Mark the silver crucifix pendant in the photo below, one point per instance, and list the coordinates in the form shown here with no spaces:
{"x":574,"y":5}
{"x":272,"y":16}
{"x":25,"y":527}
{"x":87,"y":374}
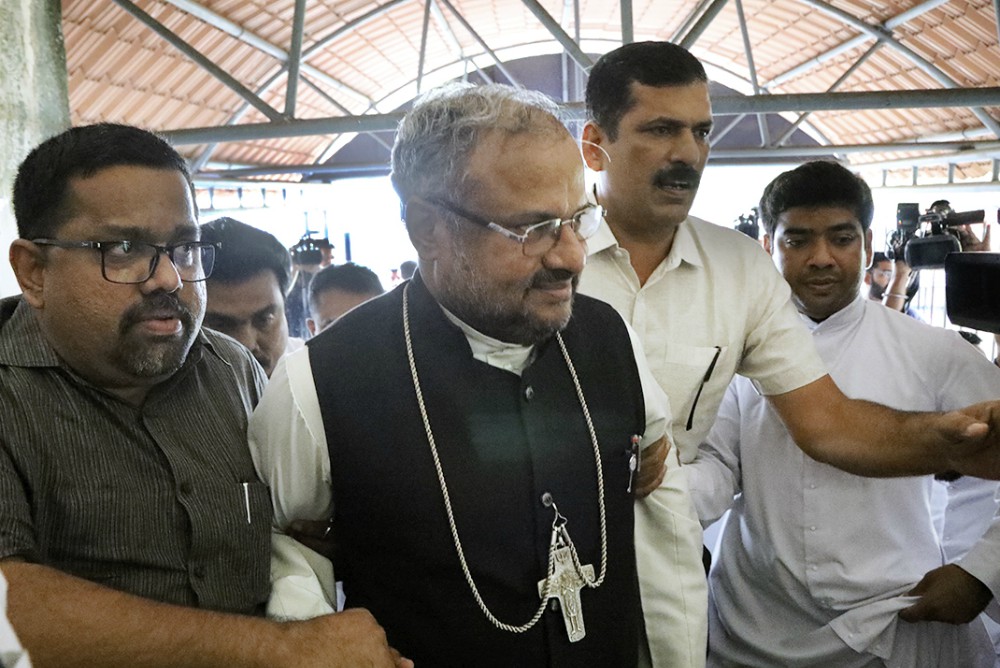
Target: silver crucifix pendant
{"x":566,"y":584}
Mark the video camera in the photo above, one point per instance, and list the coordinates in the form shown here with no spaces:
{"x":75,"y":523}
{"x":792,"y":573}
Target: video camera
{"x":972,"y":290}
{"x":925,"y":240}
{"x":309,"y":251}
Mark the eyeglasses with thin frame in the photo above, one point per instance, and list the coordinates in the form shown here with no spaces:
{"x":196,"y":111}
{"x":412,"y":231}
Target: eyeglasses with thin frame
{"x":129,"y":262}
{"x":538,"y":238}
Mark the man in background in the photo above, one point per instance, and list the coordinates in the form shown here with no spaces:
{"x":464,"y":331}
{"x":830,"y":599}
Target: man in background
{"x":246,"y":292}
{"x":830,"y":558}
{"x":337,"y":289}
{"x":877,"y":276}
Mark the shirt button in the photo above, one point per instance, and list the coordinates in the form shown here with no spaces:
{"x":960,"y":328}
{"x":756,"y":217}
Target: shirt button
{"x":812,"y":528}
{"x":529,"y":393}
{"x":185,"y":487}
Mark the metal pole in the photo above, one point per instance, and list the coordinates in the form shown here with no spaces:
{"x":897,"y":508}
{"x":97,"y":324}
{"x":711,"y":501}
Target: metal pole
{"x":572,"y":48}
{"x":423,"y":43}
{"x":200,"y":59}
{"x":628,"y":29}
{"x":295,"y":57}
{"x":702,"y":23}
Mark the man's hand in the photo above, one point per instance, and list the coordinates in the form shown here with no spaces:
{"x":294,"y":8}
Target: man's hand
{"x":947,"y":594}
{"x":317,"y":535}
{"x":652,"y":467}
{"x":969,"y":240}
{"x":342,"y":640}
{"x":972,"y":438}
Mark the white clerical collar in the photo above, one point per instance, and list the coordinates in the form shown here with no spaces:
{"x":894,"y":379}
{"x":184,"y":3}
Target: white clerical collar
{"x":842,"y":319}
{"x":511,"y":357}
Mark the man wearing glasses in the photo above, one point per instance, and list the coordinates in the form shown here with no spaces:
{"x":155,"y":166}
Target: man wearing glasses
{"x":129,"y":497}
{"x":479,"y":466}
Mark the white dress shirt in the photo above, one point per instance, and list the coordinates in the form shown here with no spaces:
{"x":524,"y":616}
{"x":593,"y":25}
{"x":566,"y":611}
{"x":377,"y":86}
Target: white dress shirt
{"x":288,"y":442}
{"x":825,"y":557}
{"x":12,"y":655}
{"x":715,"y":302}
{"x":717,"y":290}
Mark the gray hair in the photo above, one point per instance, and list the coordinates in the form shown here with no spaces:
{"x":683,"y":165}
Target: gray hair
{"x":437,"y":136}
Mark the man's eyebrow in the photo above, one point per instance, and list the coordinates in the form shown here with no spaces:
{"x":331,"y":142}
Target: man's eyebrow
{"x":220,"y":319}
{"x":808,"y":231}
{"x":663,"y":121}
{"x":798,"y":231}
{"x":111,"y":231}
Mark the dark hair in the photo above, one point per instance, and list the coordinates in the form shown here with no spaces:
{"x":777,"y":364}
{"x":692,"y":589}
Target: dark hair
{"x":245,"y":252}
{"x":878,"y":257}
{"x":41,"y":187}
{"x":347,"y":277}
{"x":814,"y":184}
{"x":609,"y":89}
{"x":407,"y":268}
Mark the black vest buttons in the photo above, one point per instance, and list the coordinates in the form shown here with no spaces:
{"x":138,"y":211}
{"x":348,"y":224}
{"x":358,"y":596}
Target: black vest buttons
{"x":185,"y":487}
{"x":199,"y":572}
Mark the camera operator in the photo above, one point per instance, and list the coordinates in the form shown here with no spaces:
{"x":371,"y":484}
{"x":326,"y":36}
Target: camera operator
{"x":903,"y":283}
{"x":309,"y":255}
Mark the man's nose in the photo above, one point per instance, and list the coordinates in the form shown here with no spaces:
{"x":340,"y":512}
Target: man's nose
{"x":821,"y":255}
{"x":165,"y":276}
{"x":569,"y":251}
{"x":685,"y":148}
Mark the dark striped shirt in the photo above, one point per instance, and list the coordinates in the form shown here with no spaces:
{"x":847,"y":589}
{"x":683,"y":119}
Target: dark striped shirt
{"x":161,"y":501}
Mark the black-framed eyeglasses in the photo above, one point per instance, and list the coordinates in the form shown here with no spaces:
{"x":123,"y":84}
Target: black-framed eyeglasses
{"x":538,"y":238}
{"x":135,"y":261}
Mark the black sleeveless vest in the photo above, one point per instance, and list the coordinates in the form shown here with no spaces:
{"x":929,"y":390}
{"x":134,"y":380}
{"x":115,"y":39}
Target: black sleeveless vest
{"x":503,"y":441}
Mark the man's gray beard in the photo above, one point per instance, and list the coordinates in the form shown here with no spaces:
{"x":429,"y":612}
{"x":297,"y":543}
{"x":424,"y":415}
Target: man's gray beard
{"x":154,"y":360}
{"x":475,"y":309}
{"x":472,"y":304}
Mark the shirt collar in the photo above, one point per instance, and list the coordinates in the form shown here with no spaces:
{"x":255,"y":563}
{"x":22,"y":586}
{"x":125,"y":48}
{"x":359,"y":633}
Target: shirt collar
{"x":684,"y":248}
{"x":842,"y":319}
{"x":511,"y":357}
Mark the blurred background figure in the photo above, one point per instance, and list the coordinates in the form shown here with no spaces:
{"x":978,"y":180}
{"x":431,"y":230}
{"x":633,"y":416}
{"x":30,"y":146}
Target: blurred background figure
{"x":246,"y":293}
{"x":337,"y":289}
{"x":309,"y":255}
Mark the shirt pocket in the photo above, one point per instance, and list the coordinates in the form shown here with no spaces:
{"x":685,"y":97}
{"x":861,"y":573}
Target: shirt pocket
{"x":695,"y":378}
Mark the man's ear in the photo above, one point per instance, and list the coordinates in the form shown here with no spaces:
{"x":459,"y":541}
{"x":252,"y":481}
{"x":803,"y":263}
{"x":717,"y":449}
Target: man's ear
{"x":28,"y":262}
{"x":766,"y":243}
{"x":868,"y":248}
{"x":592,"y":147}
{"x":426,"y":228}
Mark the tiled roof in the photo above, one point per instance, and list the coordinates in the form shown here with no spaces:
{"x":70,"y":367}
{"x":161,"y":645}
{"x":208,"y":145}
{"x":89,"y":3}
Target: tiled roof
{"x":362,"y":57}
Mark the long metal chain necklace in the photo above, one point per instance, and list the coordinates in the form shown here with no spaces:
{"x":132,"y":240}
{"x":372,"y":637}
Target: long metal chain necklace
{"x":566,"y":576}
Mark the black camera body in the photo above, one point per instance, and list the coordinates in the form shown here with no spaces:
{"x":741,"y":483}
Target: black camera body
{"x":972,"y":290}
{"x":926,"y":240}
{"x":308,"y":251}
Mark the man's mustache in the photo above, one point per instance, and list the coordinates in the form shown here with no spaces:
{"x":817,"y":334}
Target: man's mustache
{"x":550,"y":276}
{"x":158,"y":305}
{"x":678,"y":173}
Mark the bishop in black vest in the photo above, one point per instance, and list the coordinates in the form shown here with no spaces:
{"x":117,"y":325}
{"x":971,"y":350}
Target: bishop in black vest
{"x":482,"y":422}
